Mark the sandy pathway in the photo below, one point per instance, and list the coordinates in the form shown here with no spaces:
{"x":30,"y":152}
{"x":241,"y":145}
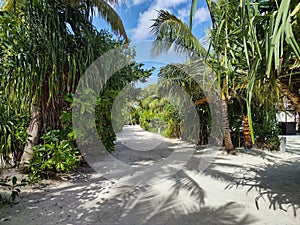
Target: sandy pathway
{"x":249,"y":188}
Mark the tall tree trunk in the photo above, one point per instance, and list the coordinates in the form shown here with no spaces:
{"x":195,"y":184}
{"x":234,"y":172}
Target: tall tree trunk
{"x":51,"y":108}
{"x":33,"y":133}
{"x":292,"y":96}
{"x":46,"y":116}
{"x":227,"y":138}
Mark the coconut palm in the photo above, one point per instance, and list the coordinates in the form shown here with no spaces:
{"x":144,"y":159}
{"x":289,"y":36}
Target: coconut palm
{"x":191,"y":78}
{"x":169,"y":30}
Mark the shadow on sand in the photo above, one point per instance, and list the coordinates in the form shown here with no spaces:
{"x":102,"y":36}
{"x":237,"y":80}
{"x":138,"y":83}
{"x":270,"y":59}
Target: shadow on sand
{"x":279,"y":184}
{"x":90,"y":200}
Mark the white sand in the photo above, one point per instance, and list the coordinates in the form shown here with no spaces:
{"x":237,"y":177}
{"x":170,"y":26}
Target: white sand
{"x":227,"y":192}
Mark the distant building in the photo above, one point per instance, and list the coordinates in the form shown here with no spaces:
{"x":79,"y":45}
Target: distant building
{"x":288,"y":119}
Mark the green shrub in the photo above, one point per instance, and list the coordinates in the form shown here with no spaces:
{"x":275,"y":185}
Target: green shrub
{"x":57,"y":151}
{"x":266,"y":128}
{"x":56,"y":154}
{"x":103,"y":120}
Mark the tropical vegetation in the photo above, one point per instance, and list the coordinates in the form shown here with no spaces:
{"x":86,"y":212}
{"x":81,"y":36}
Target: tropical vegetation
{"x":253,"y":50}
{"x":46,"y":46}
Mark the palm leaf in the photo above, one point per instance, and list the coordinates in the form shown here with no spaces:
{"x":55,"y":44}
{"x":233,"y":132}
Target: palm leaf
{"x":170,"y":32}
{"x":192,"y":13}
{"x":111,"y":17}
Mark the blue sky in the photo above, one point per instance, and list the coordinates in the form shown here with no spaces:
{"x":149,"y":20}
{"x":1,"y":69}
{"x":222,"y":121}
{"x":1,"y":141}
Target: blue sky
{"x":137,"y":16}
{"x":143,"y":55}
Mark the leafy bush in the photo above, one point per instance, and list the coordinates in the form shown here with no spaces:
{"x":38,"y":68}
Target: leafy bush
{"x":265,"y":126}
{"x":55,"y":155}
{"x":57,"y":151}
{"x":104,"y":104}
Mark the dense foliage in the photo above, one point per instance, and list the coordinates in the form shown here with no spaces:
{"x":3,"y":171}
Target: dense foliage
{"x":157,"y":114}
{"x":253,"y":49}
{"x":13,"y":124}
{"x":107,"y":97}
{"x":46,"y":46}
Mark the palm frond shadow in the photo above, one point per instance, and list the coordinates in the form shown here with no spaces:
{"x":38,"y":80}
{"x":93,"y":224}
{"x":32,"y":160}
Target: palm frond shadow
{"x":279,"y":184}
{"x":175,"y":195}
{"x":86,"y":194}
{"x":293,"y":147}
{"x":215,"y":168}
{"x":176,"y":200}
{"x":225,"y":214}
{"x":266,"y":155}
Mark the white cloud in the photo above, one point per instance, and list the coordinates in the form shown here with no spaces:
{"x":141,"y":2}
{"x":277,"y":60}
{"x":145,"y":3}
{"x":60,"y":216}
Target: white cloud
{"x":201,"y":15}
{"x":138,"y":2}
{"x":183,"y":14}
{"x":145,"y":20}
{"x":142,"y":31}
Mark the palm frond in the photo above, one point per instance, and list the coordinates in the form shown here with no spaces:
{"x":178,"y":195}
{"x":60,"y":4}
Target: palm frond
{"x":105,"y":10}
{"x":108,"y":13}
{"x":170,"y":32}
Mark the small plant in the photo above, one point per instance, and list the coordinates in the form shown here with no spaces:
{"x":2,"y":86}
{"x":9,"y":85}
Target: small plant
{"x":14,"y":187}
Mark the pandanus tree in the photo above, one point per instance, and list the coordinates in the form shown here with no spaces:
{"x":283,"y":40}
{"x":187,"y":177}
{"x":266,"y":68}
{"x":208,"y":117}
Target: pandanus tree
{"x":263,"y":48}
{"x":265,"y":35}
{"x":54,"y":44}
{"x":278,"y":41}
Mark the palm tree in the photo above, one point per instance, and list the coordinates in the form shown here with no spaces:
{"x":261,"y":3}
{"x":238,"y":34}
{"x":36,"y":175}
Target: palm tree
{"x":267,"y":34}
{"x":168,"y":29}
{"x":271,"y":36}
{"x":56,"y":43}
{"x":187,"y":77}
{"x":102,"y":7}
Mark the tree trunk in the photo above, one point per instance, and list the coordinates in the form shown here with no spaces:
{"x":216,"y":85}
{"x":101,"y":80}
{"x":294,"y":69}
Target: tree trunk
{"x":292,"y":96}
{"x":33,"y":133}
{"x":51,"y":108}
{"x":42,"y":118}
{"x":227,"y":138}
